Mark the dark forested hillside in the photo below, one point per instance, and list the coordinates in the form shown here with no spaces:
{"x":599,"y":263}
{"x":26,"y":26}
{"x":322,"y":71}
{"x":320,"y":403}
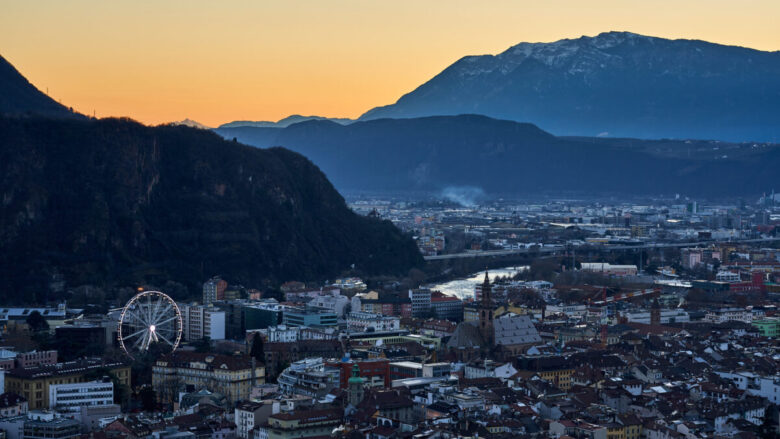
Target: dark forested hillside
{"x":113,"y":202}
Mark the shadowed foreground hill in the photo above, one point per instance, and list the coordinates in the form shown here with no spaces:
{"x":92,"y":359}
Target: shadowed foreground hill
{"x":113,"y":202}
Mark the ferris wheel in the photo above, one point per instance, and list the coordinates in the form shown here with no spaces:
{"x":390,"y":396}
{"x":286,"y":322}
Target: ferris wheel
{"x":148,"y":318}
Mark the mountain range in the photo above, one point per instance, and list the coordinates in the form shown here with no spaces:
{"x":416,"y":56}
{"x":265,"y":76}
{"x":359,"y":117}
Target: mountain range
{"x":507,"y":157}
{"x":616,"y":84}
{"x":112,"y":202}
{"x":285,"y":122}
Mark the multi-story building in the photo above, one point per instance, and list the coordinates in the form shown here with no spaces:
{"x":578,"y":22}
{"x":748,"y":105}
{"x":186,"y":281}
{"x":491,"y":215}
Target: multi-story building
{"x":666,"y":316}
{"x":213,"y":290}
{"x":309,"y":377}
{"x":200,"y":321}
{"x":36,"y":358}
{"x":10,"y":359}
{"x":336,"y":303}
{"x":262,"y":315}
{"x":388,"y":305}
{"x":447,"y":307}
{"x":11,"y":405}
{"x":362,"y":321}
{"x":247,"y":417}
{"x":50,"y":427}
{"x":555,"y":369}
{"x":232,"y":376}
{"x":309,"y":316}
{"x":728,"y":276}
{"x":34,"y":383}
{"x":287,"y":334}
{"x":421,"y":302}
{"x":71,"y":397}
{"x":729,"y":315}
{"x":303,"y":423}
{"x":375,"y":372}
{"x":769,"y":327}
{"x":609,"y":269}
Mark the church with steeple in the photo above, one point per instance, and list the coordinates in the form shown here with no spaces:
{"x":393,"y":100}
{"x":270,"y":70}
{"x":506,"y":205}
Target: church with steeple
{"x":489,"y":336}
{"x":486,"y":311}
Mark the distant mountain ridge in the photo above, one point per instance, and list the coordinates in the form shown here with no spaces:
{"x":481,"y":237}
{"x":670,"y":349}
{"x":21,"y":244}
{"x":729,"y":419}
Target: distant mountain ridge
{"x":20,"y":98}
{"x":506,"y":157}
{"x":284,"y":123}
{"x":618,"y":84}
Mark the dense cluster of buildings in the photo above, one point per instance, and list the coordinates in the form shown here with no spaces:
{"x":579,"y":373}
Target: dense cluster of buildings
{"x":600,"y":349}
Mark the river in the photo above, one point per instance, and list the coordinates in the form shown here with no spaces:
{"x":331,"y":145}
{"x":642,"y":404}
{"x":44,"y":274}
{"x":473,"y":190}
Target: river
{"x":464,"y":288}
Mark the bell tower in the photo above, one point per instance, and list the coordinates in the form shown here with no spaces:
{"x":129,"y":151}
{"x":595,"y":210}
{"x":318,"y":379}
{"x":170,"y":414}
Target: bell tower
{"x":355,"y":386}
{"x":486,"y":313}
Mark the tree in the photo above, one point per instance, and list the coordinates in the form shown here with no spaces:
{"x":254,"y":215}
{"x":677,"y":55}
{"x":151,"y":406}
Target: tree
{"x":274,"y":293}
{"x":257,"y":348}
{"x":202,"y":345}
{"x":36,"y":322}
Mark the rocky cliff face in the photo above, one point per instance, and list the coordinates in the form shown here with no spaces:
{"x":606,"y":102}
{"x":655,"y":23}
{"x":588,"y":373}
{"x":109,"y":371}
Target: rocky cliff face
{"x":112,"y":202}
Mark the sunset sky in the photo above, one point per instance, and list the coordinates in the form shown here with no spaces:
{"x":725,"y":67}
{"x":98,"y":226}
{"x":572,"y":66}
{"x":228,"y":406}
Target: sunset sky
{"x":218,"y":61}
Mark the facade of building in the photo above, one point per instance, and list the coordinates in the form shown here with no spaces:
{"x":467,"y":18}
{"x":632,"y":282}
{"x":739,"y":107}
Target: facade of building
{"x":447,"y":308}
{"x":71,"y":397}
{"x":666,"y":316}
{"x":729,"y":315}
{"x":769,"y":327}
{"x":199,"y":322}
{"x":335,"y":303}
{"x":362,"y":321}
{"x":421,"y":302}
{"x":36,"y":358}
{"x":232,"y":376}
{"x":309,"y":377}
{"x":309,"y":317}
{"x":375,"y":372}
{"x":214,"y":290}
{"x":34,"y":383}
{"x":247,"y":417}
{"x":57,"y":428}
{"x":288,"y":334}
{"x":609,"y":269}
{"x":303,"y":423}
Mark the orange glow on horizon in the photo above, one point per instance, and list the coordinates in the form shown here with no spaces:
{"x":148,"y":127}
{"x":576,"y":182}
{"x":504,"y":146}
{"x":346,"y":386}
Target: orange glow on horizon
{"x":216,"y":62}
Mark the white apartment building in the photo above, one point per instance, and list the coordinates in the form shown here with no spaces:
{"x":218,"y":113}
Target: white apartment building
{"x":421,"y":301}
{"x":360,"y":321}
{"x":332,"y":302}
{"x":728,"y":276}
{"x":667,"y":316}
{"x":729,"y":315}
{"x":569,"y":310}
{"x":764,"y":386}
{"x":292,"y":334}
{"x":71,"y":397}
{"x":200,"y":321}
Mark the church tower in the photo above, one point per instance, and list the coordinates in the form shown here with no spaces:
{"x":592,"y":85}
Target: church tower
{"x":355,"y":386}
{"x":486,"y":313}
{"x":655,"y":313}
